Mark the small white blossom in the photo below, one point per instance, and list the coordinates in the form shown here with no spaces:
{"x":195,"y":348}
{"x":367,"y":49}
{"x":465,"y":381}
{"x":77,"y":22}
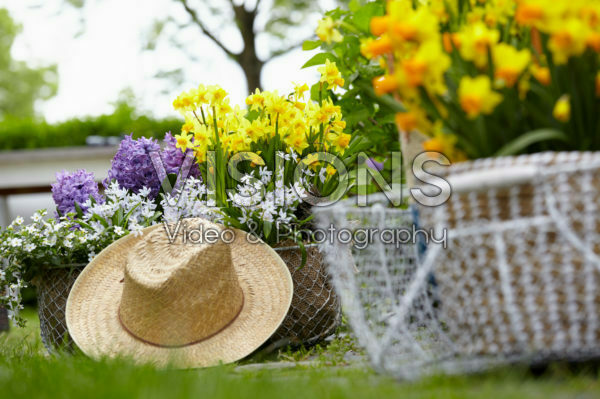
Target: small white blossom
{"x":15,"y":242}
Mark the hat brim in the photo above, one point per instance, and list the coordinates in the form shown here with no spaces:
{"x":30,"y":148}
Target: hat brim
{"x":93,"y":305}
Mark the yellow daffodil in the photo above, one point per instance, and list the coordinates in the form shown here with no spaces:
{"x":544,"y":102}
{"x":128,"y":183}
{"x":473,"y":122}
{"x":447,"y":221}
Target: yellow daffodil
{"x":444,"y":143}
{"x":327,"y":32}
{"x":562,"y":109}
{"x":509,"y":63}
{"x":331,"y":75}
{"x":568,"y":40}
{"x":256,"y":100}
{"x":183,"y":141}
{"x":541,"y":74}
{"x":476,"y":96}
{"x":216,"y":95}
{"x":530,"y":13}
{"x":475,"y":41}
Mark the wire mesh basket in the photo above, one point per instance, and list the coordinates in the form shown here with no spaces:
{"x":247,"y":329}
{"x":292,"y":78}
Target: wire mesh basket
{"x":315,"y":312}
{"x":4,"y":324}
{"x":516,"y":280}
{"x":53,"y":287}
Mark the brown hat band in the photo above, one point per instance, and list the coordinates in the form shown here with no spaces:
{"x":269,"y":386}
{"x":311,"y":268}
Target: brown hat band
{"x":182,"y":345}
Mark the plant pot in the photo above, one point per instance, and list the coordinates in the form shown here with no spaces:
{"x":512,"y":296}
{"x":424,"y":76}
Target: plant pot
{"x":519,"y":278}
{"x":315,"y":311}
{"x":53,"y":286}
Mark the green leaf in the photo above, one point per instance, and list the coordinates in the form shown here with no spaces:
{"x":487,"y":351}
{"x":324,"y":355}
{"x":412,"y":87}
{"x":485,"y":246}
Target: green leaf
{"x":267,"y":228}
{"x":529,"y":138}
{"x":302,"y":251}
{"x":354,"y":5}
{"x":362,"y":17}
{"x":310,"y":44}
{"x":319,"y":59}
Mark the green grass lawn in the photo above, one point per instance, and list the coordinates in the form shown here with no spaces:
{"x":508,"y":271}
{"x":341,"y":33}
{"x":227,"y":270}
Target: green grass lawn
{"x":27,"y":372}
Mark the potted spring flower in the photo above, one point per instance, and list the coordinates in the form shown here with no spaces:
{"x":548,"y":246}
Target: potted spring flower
{"x":50,"y":253}
{"x":261,"y":164}
{"x":486,"y":81}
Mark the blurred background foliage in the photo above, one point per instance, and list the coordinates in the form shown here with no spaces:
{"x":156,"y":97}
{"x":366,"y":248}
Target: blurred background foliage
{"x":29,"y":133}
{"x":20,"y":84}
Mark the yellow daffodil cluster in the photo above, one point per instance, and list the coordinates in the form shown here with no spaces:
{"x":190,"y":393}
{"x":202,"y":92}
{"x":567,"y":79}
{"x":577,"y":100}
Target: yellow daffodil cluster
{"x":296,"y":123}
{"x":433,"y":53}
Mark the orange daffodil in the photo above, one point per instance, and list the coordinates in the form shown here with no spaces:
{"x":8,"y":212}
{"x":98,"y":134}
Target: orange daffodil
{"x":476,"y":96}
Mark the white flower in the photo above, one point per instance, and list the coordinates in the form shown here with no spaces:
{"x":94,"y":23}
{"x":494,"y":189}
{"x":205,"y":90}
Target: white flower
{"x":135,"y":229}
{"x":322,"y":175}
{"x":119,"y":230}
{"x":68,"y":244}
{"x":30,"y":247}
{"x":36,"y":217}
{"x":91,"y":256}
{"x":15,"y":242}
{"x":19,"y":221}
{"x":49,"y":241}
{"x":265,"y":175}
{"x":300,"y":190}
{"x":82,"y":239}
{"x":144,"y":192}
{"x":283,"y":155}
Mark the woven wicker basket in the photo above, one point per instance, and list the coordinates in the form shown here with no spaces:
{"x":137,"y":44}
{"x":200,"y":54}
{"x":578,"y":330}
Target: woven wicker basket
{"x":519,"y":278}
{"x":315,"y":311}
{"x":53,"y":287}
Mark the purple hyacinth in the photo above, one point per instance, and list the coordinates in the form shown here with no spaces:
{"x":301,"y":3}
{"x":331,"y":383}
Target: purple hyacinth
{"x":71,"y":188}
{"x":173,"y":157}
{"x":373,"y":164}
{"x":132,"y":166}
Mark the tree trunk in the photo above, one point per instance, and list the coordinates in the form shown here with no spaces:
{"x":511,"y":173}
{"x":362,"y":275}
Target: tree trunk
{"x":248,"y":59}
{"x":252,"y":72}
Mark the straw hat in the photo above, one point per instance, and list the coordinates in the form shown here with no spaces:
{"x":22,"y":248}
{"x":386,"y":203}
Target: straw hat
{"x":182,"y":303}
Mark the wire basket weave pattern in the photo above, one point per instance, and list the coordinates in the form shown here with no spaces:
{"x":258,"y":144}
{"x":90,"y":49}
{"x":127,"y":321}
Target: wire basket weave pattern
{"x":315,"y":311}
{"x":53,"y":287}
{"x":517,"y":282}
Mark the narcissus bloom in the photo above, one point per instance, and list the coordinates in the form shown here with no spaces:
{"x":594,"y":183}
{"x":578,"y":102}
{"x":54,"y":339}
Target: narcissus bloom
{"x":327,"y":32}
{"x":541,"y":74}
{"x":568,"y":40}
{"x":562,"y":109}
{"x":476,"y":96}
{"x":331,"y":75}
{"x":475,"y":41}
{"x":509,"y":63}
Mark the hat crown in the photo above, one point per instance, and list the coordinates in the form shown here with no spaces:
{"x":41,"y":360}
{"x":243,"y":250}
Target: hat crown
{"x":179,"y":293}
